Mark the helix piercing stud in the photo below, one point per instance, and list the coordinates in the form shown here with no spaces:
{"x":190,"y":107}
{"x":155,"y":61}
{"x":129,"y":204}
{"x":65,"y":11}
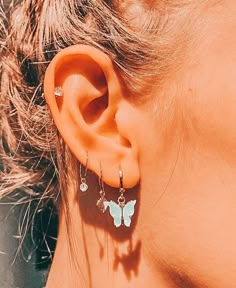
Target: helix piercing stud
{"x":58,"y":92}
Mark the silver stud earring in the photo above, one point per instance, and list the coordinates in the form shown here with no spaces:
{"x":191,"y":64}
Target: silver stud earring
{"x":83,"y":186}
{"x":121,"y":211}
{"x":100,"y":203}
{"x":58,"y":91}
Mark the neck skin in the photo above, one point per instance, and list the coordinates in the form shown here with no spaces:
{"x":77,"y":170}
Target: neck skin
{"x":182,"y":249}
{"x":105,"y":257}
{"x":118,"y":263}
{"x":90,"y":249}
{"x":176,"y":242}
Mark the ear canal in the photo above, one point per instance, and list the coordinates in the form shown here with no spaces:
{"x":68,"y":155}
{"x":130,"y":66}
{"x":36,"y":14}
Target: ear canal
{"x":95,"y":108}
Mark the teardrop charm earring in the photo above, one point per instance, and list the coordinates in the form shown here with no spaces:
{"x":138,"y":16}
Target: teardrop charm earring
{"x":83,"y":186}
{"x":101,"y":201}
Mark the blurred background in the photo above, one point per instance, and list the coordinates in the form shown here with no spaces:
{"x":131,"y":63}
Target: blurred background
{"x":25,"y":264}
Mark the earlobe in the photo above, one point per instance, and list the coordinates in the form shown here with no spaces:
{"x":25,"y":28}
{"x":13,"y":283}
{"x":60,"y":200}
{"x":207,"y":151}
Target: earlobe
{"x":85,"y":112}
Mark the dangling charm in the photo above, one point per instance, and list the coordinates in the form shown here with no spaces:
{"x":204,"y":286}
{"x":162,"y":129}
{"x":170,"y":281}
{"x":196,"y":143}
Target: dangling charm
{"x":83,"y":186}
{"x":100,"y":203}
{"x":121,"y":211}
{"x":102,"y":199}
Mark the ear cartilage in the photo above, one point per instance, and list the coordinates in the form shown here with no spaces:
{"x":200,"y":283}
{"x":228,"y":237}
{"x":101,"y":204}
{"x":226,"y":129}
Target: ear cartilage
{"x":58,"y":92}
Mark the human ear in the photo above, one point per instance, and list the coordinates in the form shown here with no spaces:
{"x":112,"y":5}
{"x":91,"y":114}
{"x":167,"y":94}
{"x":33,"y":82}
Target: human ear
{"x":86,"y":114}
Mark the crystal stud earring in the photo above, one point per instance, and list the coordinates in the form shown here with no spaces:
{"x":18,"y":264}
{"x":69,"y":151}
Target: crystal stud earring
{"x":58,"y":92}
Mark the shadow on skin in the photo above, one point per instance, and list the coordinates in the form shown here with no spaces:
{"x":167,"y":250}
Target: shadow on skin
{"x":129,"y":260}
{"x":93,"y":216}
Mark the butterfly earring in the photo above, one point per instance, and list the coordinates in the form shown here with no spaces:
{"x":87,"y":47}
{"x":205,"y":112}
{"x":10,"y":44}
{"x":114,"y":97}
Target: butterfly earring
{"x":121,"y":211}
{"x":83,"y":186}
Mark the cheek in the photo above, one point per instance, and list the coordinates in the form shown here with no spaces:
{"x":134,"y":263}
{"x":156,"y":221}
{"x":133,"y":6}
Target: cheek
{"x":210,"y":106}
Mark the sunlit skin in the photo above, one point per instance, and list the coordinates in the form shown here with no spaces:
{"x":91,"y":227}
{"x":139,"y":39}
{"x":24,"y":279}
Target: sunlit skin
{"x":183,"y":155}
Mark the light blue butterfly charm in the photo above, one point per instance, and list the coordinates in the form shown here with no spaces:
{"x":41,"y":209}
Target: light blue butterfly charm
{"x":121,"y":213}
